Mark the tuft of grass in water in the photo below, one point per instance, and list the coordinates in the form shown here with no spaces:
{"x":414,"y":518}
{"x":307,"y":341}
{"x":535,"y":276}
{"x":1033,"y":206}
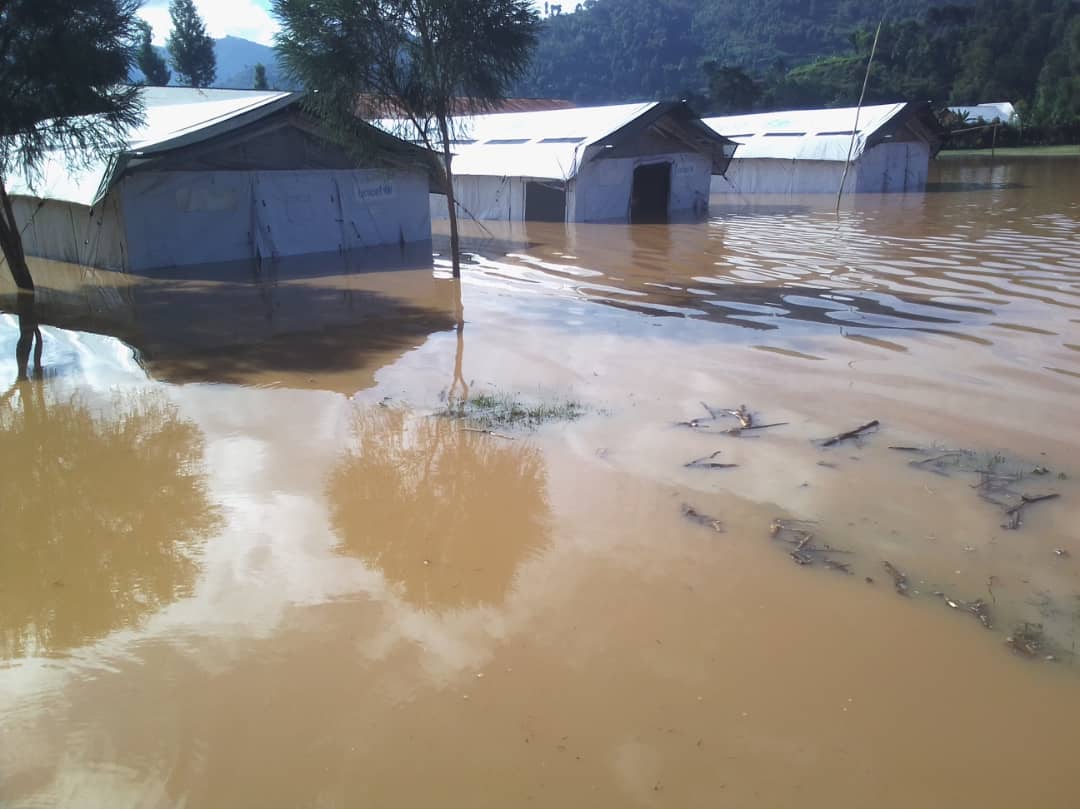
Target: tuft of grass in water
{"x":490,"y":410}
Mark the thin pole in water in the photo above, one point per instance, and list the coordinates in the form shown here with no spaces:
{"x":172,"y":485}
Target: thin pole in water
{"x":858,"y":109}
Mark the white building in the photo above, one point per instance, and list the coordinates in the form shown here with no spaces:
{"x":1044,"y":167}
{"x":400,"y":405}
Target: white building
{"x":589,"y":164}
{"x":805,"y":151}
{"x":1001,"y":112}
{"x":217,"y":176}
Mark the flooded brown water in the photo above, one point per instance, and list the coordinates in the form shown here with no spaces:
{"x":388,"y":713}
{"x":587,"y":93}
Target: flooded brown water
{"x":246,"y":561}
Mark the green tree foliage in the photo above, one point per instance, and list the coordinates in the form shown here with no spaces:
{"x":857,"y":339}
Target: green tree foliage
{"x":190,"y":47}
{"x":1024,"y":51}
{"x":260,"y":77}
{"x":730,"y":89}
{"x":62,"y":69}
{"x":149,"y":61}
{"x":628,"y":49}
{"x":413,"y":60}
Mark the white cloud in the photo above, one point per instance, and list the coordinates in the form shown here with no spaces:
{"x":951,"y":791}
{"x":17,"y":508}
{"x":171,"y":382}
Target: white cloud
{"x":249,"y":19}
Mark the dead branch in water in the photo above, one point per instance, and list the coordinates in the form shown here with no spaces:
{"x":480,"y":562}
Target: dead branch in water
{"x":703,"y":520}
{"x":487,"y":432}
{"x":1014,"y":513}
{"x":736,"y":431}
{"x":856,"y":433}
{"x":900,"y":581}
{"x":707,"y":462}
{"x":804,"y":550}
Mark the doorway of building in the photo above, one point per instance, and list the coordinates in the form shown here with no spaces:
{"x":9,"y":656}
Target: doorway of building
{"x":544,"y":203}
{"x":650,"y":193}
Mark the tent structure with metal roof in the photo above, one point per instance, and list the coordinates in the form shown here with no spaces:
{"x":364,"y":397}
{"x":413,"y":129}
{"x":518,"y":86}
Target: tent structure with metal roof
{"x":1001,"y":112}
{"x":222,"y":175}
{"x":805,"y":151}
{"x":585,"y":164}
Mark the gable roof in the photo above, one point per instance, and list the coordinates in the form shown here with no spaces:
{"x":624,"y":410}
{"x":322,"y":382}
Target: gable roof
{"x":989,"y":111}
{"x":820,"y":134}
{"x":175,"y":118}
{"x":551,"y":144}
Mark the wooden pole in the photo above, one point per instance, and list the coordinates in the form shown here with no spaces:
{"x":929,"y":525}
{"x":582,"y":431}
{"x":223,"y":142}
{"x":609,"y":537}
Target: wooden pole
{"x":858,"y":109}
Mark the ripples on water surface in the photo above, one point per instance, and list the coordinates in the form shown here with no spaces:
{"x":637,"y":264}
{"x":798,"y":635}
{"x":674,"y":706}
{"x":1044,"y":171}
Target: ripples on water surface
{"x":244,"y":565}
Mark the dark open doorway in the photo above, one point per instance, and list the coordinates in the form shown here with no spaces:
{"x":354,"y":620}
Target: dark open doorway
{"x":650,"y":193}
{"x":544,"y":203}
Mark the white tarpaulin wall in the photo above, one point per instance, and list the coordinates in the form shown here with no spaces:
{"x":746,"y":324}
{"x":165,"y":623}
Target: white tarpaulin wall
{"x":804,"y":151}
{"x":588,"y":153}
{"x":67,"y":231}
{"x":599,"y":193}
{"x":218,"y":176}
{"x":602,"y":188}
{"x":180,"y":218}
{"x":172,"y":219}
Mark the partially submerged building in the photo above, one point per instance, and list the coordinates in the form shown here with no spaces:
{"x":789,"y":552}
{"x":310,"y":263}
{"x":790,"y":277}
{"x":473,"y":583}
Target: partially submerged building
{"x":587,"y":164}
{"x":991,"y":112}
{"x":223,"y":175}
{"x":805,"y":151}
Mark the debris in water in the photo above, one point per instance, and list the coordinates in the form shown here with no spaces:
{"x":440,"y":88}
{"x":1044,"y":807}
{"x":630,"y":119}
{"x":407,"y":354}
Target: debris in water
{"x":977,"y":608}
{"x":708,"y":463}
{"x":1062,"y":553}
{"x":856,"y":433}
{"x":704,"y":520}
{"x":1028,"y":639}
{"x":804,"y":550}
{"x":742,"y":413}
{"x":900,"y":581}
{"x":1014,"y":514}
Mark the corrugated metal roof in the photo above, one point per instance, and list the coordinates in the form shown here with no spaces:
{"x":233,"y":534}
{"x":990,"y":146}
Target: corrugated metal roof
{"x":174,"y":117}
{"x":548,"y":144}
{"x":988,"y":111}
{"x":804,"y":134}
{"x":545,"y":144}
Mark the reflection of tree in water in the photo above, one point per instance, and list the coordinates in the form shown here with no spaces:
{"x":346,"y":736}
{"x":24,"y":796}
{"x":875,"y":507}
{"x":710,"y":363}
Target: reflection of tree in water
{"x":100,"y":513}
{"x":446,"y":514}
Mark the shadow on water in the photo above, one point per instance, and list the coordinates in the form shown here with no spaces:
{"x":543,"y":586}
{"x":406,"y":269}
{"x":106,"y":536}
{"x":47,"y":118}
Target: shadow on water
{"x":104,"y":508}
{"x":445,"y":514}
{"x":245,"y":323}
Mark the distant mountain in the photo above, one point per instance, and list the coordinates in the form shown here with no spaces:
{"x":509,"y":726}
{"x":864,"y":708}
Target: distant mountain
{"x":236,"y":60}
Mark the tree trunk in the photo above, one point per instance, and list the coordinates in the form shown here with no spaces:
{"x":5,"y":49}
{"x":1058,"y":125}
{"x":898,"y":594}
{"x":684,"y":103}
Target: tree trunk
{"x":451,"y":205}
{"x":11,"y":244}
{"x":29,"y":339}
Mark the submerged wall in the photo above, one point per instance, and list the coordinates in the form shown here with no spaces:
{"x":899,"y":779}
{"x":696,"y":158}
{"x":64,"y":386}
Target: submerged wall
{"x":67,"y":231}
{"x":183,"y":218}
{"x":602,"y":187}
{"x":600,"y":191}
{"x":887,"y":167}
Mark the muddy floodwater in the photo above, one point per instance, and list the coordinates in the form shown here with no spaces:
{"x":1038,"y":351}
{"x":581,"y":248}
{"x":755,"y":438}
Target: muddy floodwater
{"x":290,"y":537}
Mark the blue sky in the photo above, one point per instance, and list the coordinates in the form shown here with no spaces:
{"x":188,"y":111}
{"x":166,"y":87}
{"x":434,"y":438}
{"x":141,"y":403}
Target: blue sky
{"x":250,"y":19}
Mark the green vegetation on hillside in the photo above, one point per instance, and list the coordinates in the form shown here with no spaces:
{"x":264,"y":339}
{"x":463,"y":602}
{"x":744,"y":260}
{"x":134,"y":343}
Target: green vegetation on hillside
{"x":735,"y":57}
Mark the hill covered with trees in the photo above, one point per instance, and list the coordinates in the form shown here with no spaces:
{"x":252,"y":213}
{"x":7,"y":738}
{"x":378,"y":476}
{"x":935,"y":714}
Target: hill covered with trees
{"x":737,"y":56}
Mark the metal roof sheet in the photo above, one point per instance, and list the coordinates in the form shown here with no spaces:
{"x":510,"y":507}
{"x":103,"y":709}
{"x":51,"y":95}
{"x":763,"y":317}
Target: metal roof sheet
{"x":551,"y":144}
{"x":544,"y":144}
{"x":989,"y":111}
{"x":174,"y":117}
{"x":804,"y":134}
